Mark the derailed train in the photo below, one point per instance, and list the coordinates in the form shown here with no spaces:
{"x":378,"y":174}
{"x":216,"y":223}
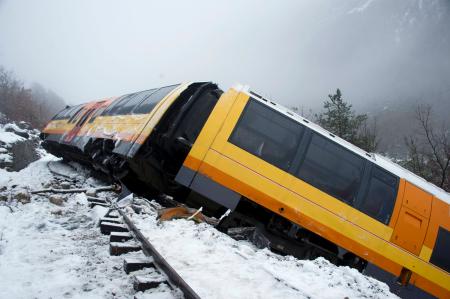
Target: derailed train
{"x":306,"y":191}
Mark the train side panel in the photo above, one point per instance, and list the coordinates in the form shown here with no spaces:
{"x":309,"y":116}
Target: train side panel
{"x":225,"y":169}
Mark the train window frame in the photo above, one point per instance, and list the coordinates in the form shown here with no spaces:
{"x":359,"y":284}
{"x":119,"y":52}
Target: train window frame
{"x":386,"y":206}
{"x":354,"y":187}
{"x":289,"y":156}
{"x":116,"y":102}
{"x":73,"y":118}
{"x":439,"y":256}
{"x":97,"y":113}
{"x":153,"y":102}
{"x":140,"y":96}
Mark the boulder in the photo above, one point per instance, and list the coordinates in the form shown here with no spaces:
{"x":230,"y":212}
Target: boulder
{"x":22,"y":197}
{"x":65,"y":185}
{"x":56,"y":200}
{"x":91,"y":192}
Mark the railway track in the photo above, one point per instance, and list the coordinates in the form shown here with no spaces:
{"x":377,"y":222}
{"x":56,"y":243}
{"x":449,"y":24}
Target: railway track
{"x":125,"y":237}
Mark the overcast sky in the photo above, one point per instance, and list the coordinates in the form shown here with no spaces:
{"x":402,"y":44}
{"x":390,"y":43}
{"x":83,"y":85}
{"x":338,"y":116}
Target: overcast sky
{"x":295,"y":52}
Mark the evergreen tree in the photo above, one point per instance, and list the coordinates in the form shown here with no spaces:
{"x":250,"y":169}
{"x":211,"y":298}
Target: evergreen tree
{"x":340,"y":119}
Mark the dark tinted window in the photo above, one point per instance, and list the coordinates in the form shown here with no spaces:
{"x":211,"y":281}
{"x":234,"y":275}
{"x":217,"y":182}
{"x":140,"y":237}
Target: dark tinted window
{"x":133,"y":100}
{"x":74,"y":116}
{"x":267,"y":134}
{"x":60,"y":114}
{"x":150,"y":102}
{"x":441,"y":256}
{"x":97,"y":113}
{"x":332,"y":168}
{"x":379,"y":198}
{"x":115,"y":105}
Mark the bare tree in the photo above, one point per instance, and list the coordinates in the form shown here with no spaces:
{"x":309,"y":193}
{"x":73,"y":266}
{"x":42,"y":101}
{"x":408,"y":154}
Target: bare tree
{"x":429,"y":150}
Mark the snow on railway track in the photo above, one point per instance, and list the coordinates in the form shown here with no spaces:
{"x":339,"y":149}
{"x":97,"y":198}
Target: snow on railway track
{"x":58,"y":252}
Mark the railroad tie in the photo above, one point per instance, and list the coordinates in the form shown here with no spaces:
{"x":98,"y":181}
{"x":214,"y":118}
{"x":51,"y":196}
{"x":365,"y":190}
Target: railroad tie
{"x":107,"y":227}
{"x":142,"y":283}
{"x":116,"y":248}
{"x":120,"y":236}
{"x":111,"y":220}
{"x":134,"y":264}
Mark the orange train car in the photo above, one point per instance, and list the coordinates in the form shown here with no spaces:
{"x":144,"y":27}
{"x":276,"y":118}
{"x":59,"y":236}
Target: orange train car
{"x":298,"y":188}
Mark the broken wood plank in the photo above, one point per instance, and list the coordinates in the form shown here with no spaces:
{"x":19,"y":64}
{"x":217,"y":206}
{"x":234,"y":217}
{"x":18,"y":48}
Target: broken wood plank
{"x":53,"y":190}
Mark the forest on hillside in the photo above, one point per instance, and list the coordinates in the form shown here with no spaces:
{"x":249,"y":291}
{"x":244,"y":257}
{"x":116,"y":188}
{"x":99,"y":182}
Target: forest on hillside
{"x":34,"y":105}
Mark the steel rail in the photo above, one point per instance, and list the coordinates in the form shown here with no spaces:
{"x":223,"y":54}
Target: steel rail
{"x":173,"y":277}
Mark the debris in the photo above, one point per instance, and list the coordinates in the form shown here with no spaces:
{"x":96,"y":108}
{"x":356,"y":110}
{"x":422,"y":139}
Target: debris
{"x":56,"y":200}
{"x":185,"y":213}
{"x":65,"y":185}
{"x":22,"y":197}
{"x":56,"y":212}
{"x":91,"y":192}
{"x":53,"y":190}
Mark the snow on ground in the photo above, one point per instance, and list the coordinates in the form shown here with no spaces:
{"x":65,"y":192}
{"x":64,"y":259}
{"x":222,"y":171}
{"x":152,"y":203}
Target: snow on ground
{"x":48,"y":251}
{"x":9,"y":137}
{"x":217,"y":266}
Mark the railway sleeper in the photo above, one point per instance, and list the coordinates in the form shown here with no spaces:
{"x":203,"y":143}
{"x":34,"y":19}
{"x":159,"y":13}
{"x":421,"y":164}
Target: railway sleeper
{"x":107,"y":227}
{"x":120,"y":237}
{"x":96,"y":199}
{"x":117,"y":248}
{"x":111,"y":220}
{"x":135,"y":264}
{"x":142,"y":283}
{"x":96,"y":203}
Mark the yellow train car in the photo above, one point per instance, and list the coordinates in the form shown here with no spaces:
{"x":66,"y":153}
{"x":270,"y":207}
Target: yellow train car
{"x":305,"y":191}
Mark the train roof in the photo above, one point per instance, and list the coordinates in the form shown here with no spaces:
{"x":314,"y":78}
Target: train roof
{"x":373,"y":157}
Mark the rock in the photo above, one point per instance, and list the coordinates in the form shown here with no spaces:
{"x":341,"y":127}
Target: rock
{"x":57,"y":212}
{"x":56,"y":200}
{"x":3,"y":188}
{"x":22,"y":197}
{"x":23,"y":153}
{"x":91,"y":192}
{"x":3,"y":197}
{"x":17,"y":131}
{"x":65,"y":185}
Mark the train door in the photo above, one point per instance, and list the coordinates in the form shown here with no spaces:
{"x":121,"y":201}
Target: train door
{"x":412,"y":222}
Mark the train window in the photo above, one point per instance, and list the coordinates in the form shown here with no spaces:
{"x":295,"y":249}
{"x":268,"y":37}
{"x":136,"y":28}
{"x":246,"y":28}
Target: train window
{"x":150,"y":102}
{"x":440,"y":256}
{"x":97,"y":113}
{"x":134,"y":100}
{"x":114,"y":106}
{"x":75,"y":115}
{"x":381,"y":192}
{"x":267,"y":134}
{"x":60,"y":114}
{"x":332,"y":168}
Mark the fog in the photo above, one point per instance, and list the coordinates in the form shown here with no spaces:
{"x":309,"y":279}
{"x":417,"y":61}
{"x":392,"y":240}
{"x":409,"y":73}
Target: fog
{"x":295,"y":52}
